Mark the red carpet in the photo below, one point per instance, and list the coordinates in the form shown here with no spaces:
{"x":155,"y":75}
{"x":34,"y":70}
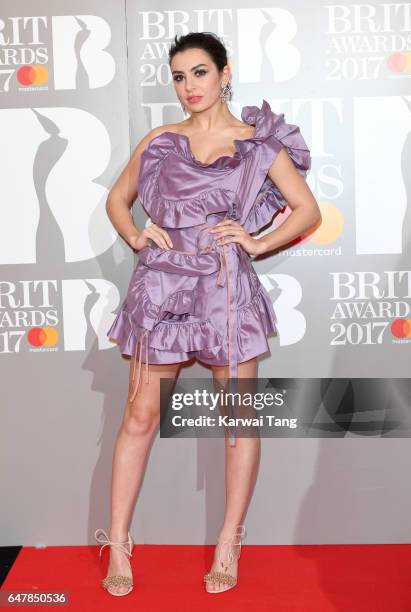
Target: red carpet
{"x":349,"y":578}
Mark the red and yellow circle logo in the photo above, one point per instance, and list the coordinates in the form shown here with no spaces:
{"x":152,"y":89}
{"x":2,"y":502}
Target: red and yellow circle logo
{"x":401,"y":328}
{"x":399,"y":62}
{"x":32,"y":75}
{"x":331,"y":227}
{"x":43,"y":336}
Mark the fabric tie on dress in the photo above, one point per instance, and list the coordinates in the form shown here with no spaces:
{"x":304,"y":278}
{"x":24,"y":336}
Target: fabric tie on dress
{"x":144,"y":336}
{"x":227,"y":275}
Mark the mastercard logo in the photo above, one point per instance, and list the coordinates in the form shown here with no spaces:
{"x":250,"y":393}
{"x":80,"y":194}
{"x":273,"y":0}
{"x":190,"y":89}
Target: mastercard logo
{"x":331,"y":227}
{"x":399,"y":62}
{"x":401,"y":328}
{"x":32,"y":75}
{"x":332,"y":224}
{"x":43,"y":336}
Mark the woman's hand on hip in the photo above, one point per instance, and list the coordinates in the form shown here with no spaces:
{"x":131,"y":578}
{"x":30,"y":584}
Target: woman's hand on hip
{"x":230,"y":231}
{"x":153,"y":232}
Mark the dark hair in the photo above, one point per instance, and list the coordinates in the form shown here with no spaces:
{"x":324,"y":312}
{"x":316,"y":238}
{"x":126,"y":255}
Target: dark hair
{"x":208,"y":41}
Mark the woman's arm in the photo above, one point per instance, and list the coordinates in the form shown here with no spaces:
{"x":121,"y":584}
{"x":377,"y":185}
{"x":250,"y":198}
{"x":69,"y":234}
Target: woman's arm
{"x":305,"y":211}
{"x":121,"y":198}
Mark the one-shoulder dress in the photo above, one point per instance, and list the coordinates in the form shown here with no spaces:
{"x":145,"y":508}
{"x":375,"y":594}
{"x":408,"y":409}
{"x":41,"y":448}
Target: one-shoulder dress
{"x":201,"y":298}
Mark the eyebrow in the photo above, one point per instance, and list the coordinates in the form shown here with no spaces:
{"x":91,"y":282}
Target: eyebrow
{"x":191,"y":69}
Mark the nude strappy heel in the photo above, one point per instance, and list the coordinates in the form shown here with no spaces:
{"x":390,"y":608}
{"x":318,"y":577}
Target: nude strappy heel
{"x":233,"y":553}
{"x":117,"y":580}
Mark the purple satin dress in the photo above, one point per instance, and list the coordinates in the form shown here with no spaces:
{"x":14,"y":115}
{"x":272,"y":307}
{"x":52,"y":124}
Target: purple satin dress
{"x":200,"y":298}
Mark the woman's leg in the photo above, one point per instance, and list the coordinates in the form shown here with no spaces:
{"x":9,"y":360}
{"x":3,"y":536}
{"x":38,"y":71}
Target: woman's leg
{"x":242,"y":462}
{"x":131,"y":450}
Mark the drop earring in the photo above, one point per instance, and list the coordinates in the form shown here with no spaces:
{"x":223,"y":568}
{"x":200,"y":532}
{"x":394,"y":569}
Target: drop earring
{"x":226,"y":92}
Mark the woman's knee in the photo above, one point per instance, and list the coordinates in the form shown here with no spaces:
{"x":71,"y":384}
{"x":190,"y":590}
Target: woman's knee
{"x":141,"y":422}
{"x":142,"y":416}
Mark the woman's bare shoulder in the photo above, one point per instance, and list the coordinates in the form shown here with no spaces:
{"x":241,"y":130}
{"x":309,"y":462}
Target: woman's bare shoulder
{"x":167,"y":127}
{"x":145,"y":141}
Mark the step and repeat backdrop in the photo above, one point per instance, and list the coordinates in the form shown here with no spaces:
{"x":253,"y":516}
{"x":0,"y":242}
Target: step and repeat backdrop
{"x":80,"y":84}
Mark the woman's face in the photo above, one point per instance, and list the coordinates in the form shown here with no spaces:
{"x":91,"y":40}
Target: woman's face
{"x":196,"y":79}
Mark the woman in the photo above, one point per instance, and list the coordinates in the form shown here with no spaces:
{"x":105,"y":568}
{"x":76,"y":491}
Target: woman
{"x":208,"y":183}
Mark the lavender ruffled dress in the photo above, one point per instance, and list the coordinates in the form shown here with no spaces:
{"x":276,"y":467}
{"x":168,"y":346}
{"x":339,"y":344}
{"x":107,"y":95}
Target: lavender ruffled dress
{"x":199,"y":298}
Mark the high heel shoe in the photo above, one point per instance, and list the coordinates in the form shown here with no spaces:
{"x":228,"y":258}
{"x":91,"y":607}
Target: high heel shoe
{"x":234,"y":552}
{"x":126,"y":547}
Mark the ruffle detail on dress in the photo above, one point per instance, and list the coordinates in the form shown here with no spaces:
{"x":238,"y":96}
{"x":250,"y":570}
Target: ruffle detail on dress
{"x":179,"y":337}
{"x":256,"y":320}
{"x":187,"y":212}
{"x":184,"y":337}
{"x":269,"y":201}
{"x":120,"y":332}
{"x":270,"y":125}
{"x":258,"y":311}
{"x":145,"y":313}
{"x":171,"y":212}
{"x":138,"y":313}
{"x":277,"y":135}
{"x":272,"y":133}
{"x":177,"y":262}
{"x":267,"y":125}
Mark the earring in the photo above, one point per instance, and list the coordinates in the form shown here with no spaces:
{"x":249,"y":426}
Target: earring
{"x":183,"y":108}
{"x":226,"y":92}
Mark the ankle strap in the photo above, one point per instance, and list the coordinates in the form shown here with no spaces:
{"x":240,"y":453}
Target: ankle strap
{"x":105,"y":540}
{"x":239,"y":533}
